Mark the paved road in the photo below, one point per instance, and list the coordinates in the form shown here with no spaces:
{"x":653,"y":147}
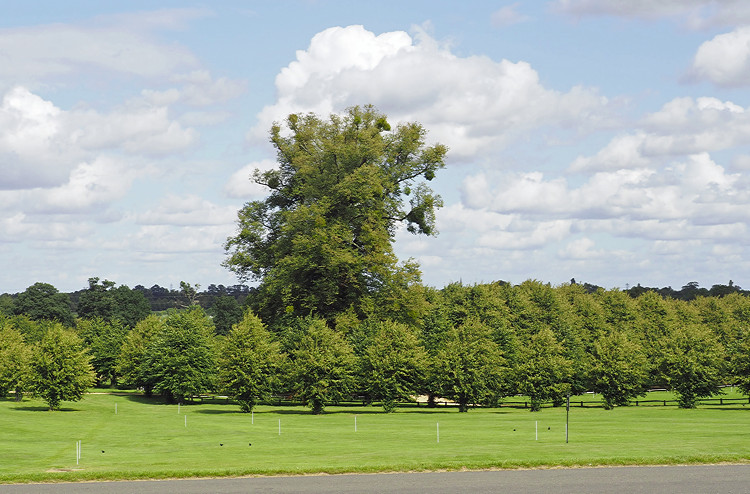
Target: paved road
{"x":724,"y":479}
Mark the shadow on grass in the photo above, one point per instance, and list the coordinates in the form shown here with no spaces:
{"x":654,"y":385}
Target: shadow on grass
{"x":43,"y":409}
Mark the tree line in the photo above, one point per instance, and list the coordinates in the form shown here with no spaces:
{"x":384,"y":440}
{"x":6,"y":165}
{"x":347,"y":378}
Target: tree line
{"x":474,"y":345}
{"x":335,"y":314}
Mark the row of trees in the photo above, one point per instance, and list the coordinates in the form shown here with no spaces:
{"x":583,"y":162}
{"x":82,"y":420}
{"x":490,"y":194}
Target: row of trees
{"x":470,"y":344}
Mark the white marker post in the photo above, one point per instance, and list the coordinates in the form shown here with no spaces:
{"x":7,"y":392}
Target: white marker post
{"x":279,"y":427}
{"x":78,"y":451}
{"x":115,"y":408}
{"x":355,"y":423}
{"x":185,"y":421}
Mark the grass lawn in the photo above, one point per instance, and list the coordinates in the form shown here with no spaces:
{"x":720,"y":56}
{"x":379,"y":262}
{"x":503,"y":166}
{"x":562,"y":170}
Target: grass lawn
{"x":147,"y":439}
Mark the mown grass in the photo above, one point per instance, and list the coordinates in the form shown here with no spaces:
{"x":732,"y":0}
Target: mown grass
{"x":147,"y":439}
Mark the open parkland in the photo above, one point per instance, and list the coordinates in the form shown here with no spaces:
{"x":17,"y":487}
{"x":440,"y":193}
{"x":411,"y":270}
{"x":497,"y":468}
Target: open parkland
{"x":126,"y":436}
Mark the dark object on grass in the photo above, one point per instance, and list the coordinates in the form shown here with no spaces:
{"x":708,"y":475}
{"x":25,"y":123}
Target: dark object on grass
{"x":221,"y":444}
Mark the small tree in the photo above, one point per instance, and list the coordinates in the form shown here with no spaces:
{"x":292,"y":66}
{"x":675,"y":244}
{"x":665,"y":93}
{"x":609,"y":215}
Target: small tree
{"x":321,"y":368}
{"x":60,"y":367}
{"x":180,"y":362}
{"x":394,"y":365}
{"x":249,"y":362}
{"x":617,"y":369}
{"x":693,"y":364}
{"x":542,"y":371}
{"x":131,"y":363}
{"x":469,"y":368}
{"x":15,"y":356}
{"x":104,"y":340}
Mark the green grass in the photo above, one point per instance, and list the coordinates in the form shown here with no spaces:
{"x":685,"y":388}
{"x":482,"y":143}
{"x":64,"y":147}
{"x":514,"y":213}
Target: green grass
{"x":146,"y":439}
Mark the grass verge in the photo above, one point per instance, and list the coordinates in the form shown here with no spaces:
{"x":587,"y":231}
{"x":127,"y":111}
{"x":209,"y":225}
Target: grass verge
{"x":126,"y":436}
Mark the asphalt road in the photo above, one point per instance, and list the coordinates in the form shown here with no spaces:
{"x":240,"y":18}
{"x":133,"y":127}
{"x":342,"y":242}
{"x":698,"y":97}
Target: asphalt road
{"x":725,"y":479}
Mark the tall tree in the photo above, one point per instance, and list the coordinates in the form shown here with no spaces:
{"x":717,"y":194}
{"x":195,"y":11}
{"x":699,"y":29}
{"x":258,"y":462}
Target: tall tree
{"x":542,"y":371}
{"x":42,"y":301}
{"x":60,"y":367}
{"x":131,"y":363}
{"x":250,"y":362}
{"x":617,"y":369}
{"x":321,"y":242}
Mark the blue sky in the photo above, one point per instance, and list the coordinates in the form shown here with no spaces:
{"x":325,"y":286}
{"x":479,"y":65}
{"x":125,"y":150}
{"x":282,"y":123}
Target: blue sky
{"x":600,"y":140}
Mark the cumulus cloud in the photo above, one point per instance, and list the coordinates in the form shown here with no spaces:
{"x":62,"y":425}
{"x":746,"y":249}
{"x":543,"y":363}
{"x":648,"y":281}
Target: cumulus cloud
{"x":41,"y":144}
{"x":725,"y":59}
{"x":681,"y":127}
{"x":473,"y":104}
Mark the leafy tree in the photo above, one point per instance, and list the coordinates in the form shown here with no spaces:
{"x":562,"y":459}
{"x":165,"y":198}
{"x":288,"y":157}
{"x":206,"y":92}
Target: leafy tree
{"x":60,"y":367}
{"x":15,"y":356}
{"x":6,"y":304}
{"x":693,"y":364}
{"x":104,"y":301}
{"x":321,"y":368}
{"x":131,"y":363}
{"x":617,"y":369}
{"x":469,"y":368}
{"x":226,"y":312}
{"x":321,"y":242}
{"x":104,"y":340}
{"x":393,"y":365}
{"x":42,"y":301}
{"x":180,"y":362}
{"x":250,"y":362}
{"x":542,"y":371}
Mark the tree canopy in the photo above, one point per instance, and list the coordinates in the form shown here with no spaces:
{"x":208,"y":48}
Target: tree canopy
{"x":321,"y":242}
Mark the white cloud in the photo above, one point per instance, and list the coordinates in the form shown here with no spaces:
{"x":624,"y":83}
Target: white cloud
{"x":118,"y":45}
{"x":199,"y":88}
{"x":472,"y":104}
{"x":683,"y":126}
{"x":241,"y":184}
{"x":696,"y":14}
{"x":41,"y":144}
{"x":507,"y":16}
{"x":725,"y":60}
{"x":188,"y":210}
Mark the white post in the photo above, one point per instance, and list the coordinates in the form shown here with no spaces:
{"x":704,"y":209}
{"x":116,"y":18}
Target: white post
{"x":185,"y":420}
{"x":438,"y":431}
{"x":355,"y":423}
{"x":279,"y":427}
{"x":115,"y":408}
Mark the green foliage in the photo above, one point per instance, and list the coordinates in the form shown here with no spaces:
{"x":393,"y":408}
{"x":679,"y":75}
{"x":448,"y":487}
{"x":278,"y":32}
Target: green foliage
{"x":394,"y":365}
{"x":542,"y":371}
{"x":693,"y":364}
{"x":104,"y":340}
{"x":15,"y":357}
{"x":104,"y":301}
{"x":42,"y":301}
{"x":469,"y":368}
{"x":60,"y":367}
{"x":321,"y":242}
{"x":250,"y":362}
{"x":131,"y":362}
{"x":617,"y":369}
{"x":321,"y":367}
{"x":225,"y":312}
{"x":180,"y":361}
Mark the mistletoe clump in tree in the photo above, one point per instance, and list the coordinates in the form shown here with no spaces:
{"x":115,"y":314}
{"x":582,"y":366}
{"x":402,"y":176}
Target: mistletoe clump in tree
{"x":321,"y":242}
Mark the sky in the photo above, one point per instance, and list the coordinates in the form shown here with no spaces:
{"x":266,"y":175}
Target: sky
{"x":600,"y":140}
